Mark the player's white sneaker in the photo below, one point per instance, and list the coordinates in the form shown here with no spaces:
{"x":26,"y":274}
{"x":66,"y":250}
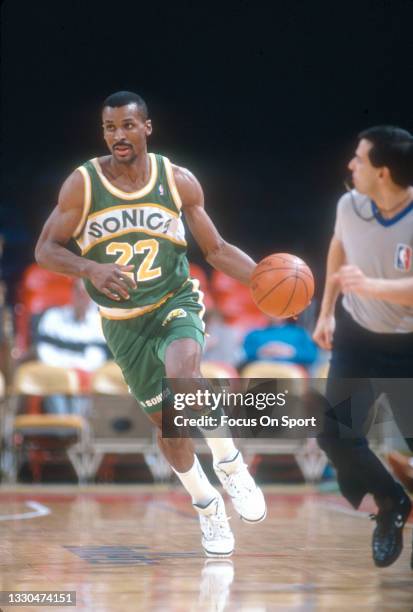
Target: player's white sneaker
{"x":247,"y":498}
{"x":217,"y":537}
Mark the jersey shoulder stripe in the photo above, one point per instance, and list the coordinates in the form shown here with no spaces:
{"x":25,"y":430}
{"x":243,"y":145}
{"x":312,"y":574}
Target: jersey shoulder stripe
{"x":87,"y":200}
{"x":172,"y":184}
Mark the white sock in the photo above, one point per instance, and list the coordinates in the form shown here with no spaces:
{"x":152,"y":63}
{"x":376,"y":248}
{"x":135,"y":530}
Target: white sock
{"x":223,"y":449}
{"x":197,"y":484}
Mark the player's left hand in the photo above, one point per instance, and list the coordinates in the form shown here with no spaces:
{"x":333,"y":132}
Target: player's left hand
{"x":353,"y":280}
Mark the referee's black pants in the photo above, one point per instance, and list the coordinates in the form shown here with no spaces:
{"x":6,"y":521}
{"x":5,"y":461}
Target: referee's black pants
{"x":362,"y":355}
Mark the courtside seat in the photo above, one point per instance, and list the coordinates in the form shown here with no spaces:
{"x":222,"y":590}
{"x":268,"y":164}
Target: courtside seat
{"x":39,"y":434}
{"x":37,"y":378}
{"x":218,"y":369}
{"x":108,"y":380}
{"x":48,"y":424}
{"x":322,"y":370}
{"x":271,"y":369}
{"x":319,"y":376}
{"x":295,"y":375}
{"x":138,"y":436}
{"x":2,"y":422}
{"x":308,"y":456}
{"x":38,"y":290}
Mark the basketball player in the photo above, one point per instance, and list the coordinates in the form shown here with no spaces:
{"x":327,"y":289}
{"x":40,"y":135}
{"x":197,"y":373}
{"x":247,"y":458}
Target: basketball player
{"x":124,"y":213}
{"x":370,"y":262}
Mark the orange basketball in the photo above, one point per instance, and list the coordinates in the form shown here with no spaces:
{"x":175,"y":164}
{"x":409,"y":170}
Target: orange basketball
{"x":282,"y":285}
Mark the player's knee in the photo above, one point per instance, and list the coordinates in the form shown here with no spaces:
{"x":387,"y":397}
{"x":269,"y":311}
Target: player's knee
{"x":183,"y":358}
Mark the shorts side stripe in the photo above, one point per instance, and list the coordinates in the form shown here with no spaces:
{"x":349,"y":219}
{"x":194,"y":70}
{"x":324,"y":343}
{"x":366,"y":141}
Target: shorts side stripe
{"x":200,"y":295}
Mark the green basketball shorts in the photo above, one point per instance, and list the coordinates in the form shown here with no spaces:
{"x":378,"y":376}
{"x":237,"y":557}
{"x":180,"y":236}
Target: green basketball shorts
{"x":139,"y":344}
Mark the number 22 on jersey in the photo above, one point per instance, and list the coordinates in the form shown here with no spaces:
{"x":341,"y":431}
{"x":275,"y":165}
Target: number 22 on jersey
{"x":126,"y":251}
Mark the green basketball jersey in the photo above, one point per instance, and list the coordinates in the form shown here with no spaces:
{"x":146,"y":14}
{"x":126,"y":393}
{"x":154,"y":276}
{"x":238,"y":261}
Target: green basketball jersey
{"x":143,"y":228}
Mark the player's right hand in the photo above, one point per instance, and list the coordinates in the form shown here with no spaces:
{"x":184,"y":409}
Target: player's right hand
{"x":323,"y":333}
{"x":112,"y":280}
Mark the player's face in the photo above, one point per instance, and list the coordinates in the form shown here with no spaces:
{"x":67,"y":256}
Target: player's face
{"x":365,"y":176}
{"x":125,"y":132}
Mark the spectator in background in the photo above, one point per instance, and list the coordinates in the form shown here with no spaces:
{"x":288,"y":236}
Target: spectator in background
{"x":222,"y":342}
{"x":71,"y":337}
{"x":282,"y":340}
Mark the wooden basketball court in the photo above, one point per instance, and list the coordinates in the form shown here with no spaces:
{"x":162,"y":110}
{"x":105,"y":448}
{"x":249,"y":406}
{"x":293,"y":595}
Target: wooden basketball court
{"x":138,"y":548}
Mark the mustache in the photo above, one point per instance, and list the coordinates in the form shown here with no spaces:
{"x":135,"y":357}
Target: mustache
{"x":122,"y":144}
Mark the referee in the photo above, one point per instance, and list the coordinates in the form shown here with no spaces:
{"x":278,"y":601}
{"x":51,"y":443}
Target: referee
{"x":371,"y":331}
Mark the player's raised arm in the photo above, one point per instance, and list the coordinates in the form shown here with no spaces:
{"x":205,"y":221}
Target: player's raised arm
{"x":218,"y":253}
{"x":52,"y":252}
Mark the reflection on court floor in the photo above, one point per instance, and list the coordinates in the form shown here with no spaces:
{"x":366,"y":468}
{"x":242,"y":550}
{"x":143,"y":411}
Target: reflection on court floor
{"x":139,"y":548}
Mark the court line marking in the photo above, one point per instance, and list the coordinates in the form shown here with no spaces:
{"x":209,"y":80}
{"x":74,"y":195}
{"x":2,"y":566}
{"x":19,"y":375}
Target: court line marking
{"x":38,"y":510}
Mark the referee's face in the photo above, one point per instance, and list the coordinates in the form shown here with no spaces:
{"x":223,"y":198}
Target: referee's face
{"x":365,"y":176}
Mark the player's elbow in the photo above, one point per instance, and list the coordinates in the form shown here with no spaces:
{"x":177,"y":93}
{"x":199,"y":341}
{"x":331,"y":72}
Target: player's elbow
{"x":215,"y":251}
{"x":40,"y":254}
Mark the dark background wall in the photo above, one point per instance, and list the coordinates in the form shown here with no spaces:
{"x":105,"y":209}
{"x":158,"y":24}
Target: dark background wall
{"x":263,"y":102}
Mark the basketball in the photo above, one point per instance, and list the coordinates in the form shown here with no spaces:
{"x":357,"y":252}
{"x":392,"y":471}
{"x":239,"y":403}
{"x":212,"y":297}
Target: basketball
{"x":282,"y":285}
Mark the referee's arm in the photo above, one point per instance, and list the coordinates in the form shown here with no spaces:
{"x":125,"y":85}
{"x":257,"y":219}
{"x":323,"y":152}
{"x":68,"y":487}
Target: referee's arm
{"x":323,"y":333}
{"x":396,"y":291}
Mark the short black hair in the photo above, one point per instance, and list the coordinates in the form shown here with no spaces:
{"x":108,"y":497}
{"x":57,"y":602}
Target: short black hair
{"x":393,"y":148}
{"x":122,"y":98}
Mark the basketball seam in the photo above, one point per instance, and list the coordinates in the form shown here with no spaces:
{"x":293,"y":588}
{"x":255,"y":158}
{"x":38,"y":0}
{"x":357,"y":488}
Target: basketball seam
{"x":291,"y":296}
{"x":305,"y":286}
{"x":275,"y":287}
